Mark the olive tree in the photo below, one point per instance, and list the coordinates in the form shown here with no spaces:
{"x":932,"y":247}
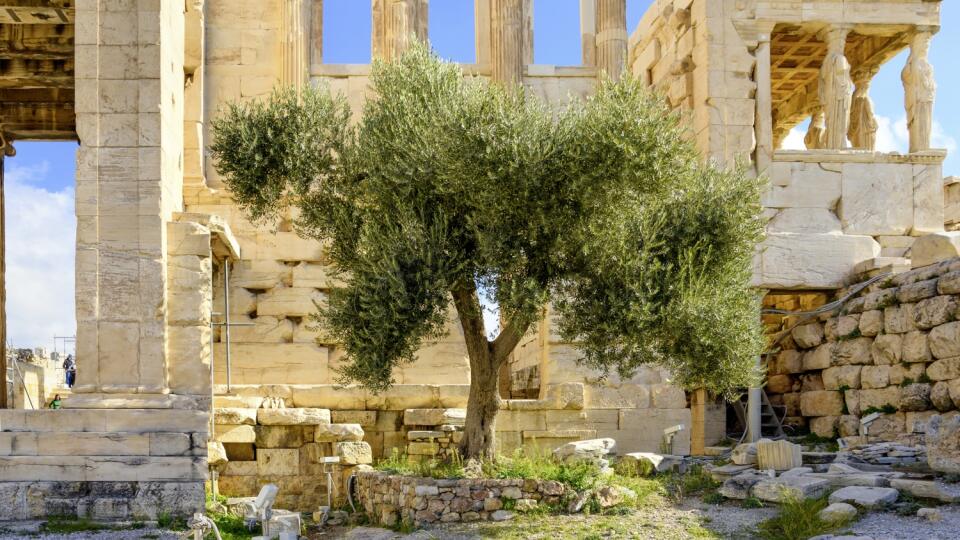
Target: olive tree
{"x":449,"y":188}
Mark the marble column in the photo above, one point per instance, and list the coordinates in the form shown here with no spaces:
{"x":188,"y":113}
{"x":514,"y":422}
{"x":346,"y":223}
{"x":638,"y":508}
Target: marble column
{"x":612,"y":37}
{"x":764,"y":104}
{"x":836,"y":88}
{"x":863,"y":122}
{"x":395,"y":24}
{"x":920,"y":90}
{"x":506,"y":41}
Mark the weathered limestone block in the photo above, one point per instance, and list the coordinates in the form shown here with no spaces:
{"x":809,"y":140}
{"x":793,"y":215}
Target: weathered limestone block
{"x":290,"y":301}
{"x":802,"y":185}
{"x":848,"y":326}
{"x":216,"y":455}
{"x":899,"y":319}
{"x":624,"y":396}
{"x":278,"y":462}
{"x":779,"y":384}
{"x":836,"y":377}
{"x":808,"y":336}
{"x":838,"y":512}
{"x":170,"y":444}
{"x":927,"y":489}
{"x":782,"y":489}
{"x":811,"y":382}
{"x":234,"y":416}
{"x":667,"y":396}
{"x":935,"y":311}
{"x":875,"y":377}
{"x":353,"y":453}
{"x":852,"y":399}
{"x":903,"y":372}
{"x":821,"y":403}
{"x":853,"y":351}
{"x":317,"y":276}
{"x":789,"y":361}
{"x":338,"y":432}
{"x":259,"y":274}
{"x":830,"y":330}
{"x":280,"y":436}
{"x":792,"y":403}
{"x":788,"y":260}
{"x":949,"y":283}
{"x":916,"y":421}
{"x":778,"y":455}
{"x":641,"y":430}
{"x":889,"y":426}
{"x":825,"y":426}
{"x":915,"y":397}
{"x":819,"y":358}
{"x":879,"y":397}
{"x":866,"y":497}
{"x":234,"y":434}
{"x":293,"y":417}
{"x":940,"y":396}
{"x":739,"y":486}
{"x":848,"y":425}
{"x":935,"y":247}
{"x":877,"y":199}
{"x":944,"y":369}
{"x":871,"y":322}
{"x":887,"y":349}
{"x":914,"y":292}
{"x":434,"y":417}
{"x":366,"y":419}
{"x":879,"y":300}
{"x":264,"y":330}
{"x":916,"y":347}
{"x":804,"y":220}
{"x":944,"y":340}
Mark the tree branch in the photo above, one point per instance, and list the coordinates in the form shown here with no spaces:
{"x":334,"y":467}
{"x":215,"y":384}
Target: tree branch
{"x":508,"y":339}
{"x":471,"y":319}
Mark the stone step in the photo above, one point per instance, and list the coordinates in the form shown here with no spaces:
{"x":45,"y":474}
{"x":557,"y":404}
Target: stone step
{"x":102,"y":468}
{"x":105,"y":420}
{"x":25,"y":443}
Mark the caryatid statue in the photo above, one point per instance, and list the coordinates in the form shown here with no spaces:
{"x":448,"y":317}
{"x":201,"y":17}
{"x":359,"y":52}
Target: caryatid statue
{"x":863,"y":121}
{"x":920,"y":89}
{"x":814,"y":137}
{"x":836,"y":89}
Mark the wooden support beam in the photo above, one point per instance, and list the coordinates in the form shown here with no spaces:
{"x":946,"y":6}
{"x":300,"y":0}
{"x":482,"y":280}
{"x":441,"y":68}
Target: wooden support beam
{"x":20,"y":14}
{"x":698,"y":421}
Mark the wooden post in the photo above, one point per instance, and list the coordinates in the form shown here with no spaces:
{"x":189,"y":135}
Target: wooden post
{"x":698,"y":421}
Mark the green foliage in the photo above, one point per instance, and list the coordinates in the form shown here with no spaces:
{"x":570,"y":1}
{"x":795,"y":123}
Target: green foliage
{"x":752,"y":502}
{"x":885,"y":409}
{"x":400,"y":463}
{"x":924,"y":378}
{"x":66,"y":525}
{"x":577,"y":475}
{"x":232,"y":527}
{"x":907,"y":381}
{"x":450,"y":184}
{"x":695,"y":481}
{"x":852,"y":335}
{"x":798,"y":520}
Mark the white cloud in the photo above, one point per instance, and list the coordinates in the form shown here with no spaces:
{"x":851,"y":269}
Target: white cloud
{"x":794,"y":139}
{"x":40,"y":233}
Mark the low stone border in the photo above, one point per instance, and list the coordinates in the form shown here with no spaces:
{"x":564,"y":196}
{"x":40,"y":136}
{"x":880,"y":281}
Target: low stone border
{"x":389,"y":499}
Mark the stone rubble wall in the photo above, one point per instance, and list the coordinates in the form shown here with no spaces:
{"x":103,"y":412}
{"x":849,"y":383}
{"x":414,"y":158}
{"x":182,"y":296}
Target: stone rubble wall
{"x":897,"y":344}
{"x":391,"y":499}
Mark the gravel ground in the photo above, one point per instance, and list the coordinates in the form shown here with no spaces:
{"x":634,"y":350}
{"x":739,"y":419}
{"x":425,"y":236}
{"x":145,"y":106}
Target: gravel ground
{"x":138,"y":534}
{"x":888,"y":526}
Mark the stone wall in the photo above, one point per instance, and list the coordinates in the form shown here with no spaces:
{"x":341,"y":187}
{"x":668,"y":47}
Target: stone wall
{"x":896,"y":344}
{"x":391,"y":499}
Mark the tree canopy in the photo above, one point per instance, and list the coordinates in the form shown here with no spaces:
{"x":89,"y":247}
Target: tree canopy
{"x":446,"y":186}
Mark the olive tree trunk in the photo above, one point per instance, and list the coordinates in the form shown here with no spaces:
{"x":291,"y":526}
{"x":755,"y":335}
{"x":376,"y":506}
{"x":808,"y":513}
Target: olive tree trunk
{"x":486,"y":359}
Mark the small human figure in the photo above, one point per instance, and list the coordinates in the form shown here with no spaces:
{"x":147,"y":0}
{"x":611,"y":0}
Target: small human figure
{"x":70,"y":367}
{"x":55,"y":404}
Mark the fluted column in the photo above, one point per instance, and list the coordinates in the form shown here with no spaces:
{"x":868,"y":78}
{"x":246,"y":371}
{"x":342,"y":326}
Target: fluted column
{"x":611,"y":37}
{"x":836,"y":88}
{"x":294,"y":51}
{"x":506,"y":40}
{"x":863,"y":122}
{"x":395,"y":24}
{"x":920,"y":90}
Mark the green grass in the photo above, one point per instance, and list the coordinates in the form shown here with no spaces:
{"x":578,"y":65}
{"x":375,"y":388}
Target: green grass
{"x":798,"y":520}
{"x":401,"y":463}
{"x":696,"y":481}
{"x":66,"y":525}
{"x":232,"y":528}
{"x":886,"y":409}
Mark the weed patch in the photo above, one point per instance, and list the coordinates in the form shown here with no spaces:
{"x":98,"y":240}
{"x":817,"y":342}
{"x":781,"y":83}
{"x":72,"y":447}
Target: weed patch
{"x":799,"y":519}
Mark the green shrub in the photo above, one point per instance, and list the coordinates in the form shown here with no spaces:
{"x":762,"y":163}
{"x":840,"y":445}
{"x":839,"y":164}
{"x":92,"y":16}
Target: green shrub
{"x":886,"y":409}
{"x":400,"y":463}
{"x":798,"y":520}
{"x":752,"y":502}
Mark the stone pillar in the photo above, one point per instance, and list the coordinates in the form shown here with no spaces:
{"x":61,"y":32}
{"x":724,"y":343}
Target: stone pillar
{"x":506,"y":40}
{"x":818,"y":124}
{"x":316,"y":33}
{"x":764,"y":103}
{"x":395,"y":23}
{"x":588,"y":32}
{"x":611,"y":37}
{"x":920,"y":90}
{"x":127,"y":188}
{"x":293,"y":52}
{"x":836,"y":88}
{"x":863,"y":122}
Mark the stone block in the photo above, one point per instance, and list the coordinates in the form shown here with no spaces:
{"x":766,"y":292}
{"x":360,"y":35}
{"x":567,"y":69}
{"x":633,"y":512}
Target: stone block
{"x":841,"y":376}
{"x":866,"y":497}
{"x":434,"y":417}
{"x":916,"y":347}
{"x":626,"y":396}
{"x":667,"y":396}
{"x":927,"y":489}
{"x":338,"y":432}
{"x":329,"y":396}
{"x":944,"y":340}
{"x":877,"y":398}
{"x":903,"y":372}
{"x":847,"y":326}
{"x":853,"y":351}
{"x":278,"y":462}
{"x":878,"y":300}
{"x":170,"y":444}
{"x":871,"y":322}
{"x":935,"y":247}
{"x":819,"y":358}
{"x":917,"y":291}
{"x":915,"y":397}
{"x":825,"y":426}
{"x":821,"y":403}
{"x":353,"y":453}
{"x":365,"y":419}
{"x":739,"y":486}
{"x":279,"y":436}
{"x":807,"y":336}
{"x":934,"y":311}
{"x":899,"y":319}
{"x":887,"y":349}
{"x":641,"y":430}
{"x":778,"y":455}
{"x":290,"y":302}
{"x":240,"y":468}
{"x":779,"y":384}
{"x":521,"y":421}
{"x":877,"y":199}
{"x":944,"y":369}
{"x":788,"y":260}
{"x":789,"y":362}
{"x":234,"y":416}
{"x":838,"y":513}
{"x":875,"y":377}
{"x":234,"y":434}
{"x":293,"y":417}
{"x":782,"y":489}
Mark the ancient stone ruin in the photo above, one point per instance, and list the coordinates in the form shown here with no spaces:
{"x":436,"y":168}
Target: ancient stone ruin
{"x":198,"y":360}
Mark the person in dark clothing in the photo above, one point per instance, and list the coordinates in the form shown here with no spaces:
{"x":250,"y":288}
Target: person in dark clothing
{"x":70,"y":367}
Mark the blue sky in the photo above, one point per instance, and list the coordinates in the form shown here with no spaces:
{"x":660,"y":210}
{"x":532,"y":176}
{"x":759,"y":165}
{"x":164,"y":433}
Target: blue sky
{"x":40,"y":179}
